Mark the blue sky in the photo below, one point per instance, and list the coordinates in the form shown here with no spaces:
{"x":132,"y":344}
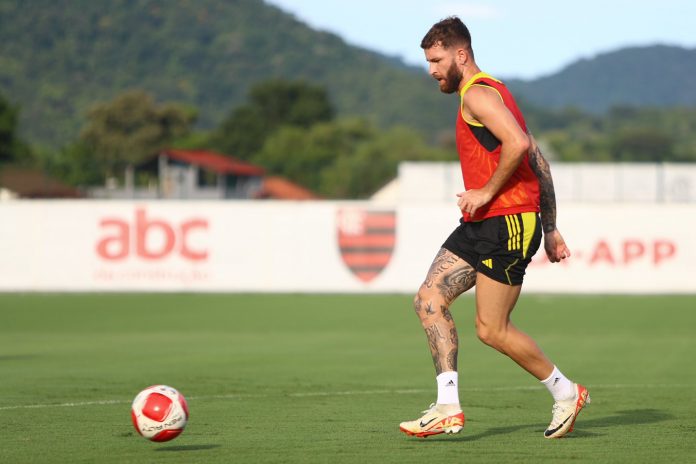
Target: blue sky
{"x":525,"y":39}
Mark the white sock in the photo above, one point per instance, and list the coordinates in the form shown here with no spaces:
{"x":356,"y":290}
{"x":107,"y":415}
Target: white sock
{"x":559,"y":386}
{"x":448,"y":388}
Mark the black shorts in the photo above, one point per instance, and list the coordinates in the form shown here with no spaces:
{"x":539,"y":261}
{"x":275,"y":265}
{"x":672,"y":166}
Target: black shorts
{"x":500,"y":247}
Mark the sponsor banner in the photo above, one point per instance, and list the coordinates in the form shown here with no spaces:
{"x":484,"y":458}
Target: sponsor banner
{"x":621,"y":249}
{"x":250,"y":246}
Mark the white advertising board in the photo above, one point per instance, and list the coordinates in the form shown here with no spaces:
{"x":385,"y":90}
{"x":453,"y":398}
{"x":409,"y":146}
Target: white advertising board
{"x":256,"y":246}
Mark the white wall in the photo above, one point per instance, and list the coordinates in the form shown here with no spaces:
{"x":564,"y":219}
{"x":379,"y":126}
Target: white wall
{"x":573,"y":182}
{"x":242,"y":246}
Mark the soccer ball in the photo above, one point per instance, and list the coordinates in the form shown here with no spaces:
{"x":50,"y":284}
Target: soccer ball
{"x":159,"y":413}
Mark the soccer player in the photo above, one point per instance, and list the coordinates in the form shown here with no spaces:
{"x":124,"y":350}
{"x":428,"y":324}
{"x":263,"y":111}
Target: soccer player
{"x":507,"y":183}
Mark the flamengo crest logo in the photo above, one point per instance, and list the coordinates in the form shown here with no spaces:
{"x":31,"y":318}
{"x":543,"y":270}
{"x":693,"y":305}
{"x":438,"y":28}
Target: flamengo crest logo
{"x":366,"y":240}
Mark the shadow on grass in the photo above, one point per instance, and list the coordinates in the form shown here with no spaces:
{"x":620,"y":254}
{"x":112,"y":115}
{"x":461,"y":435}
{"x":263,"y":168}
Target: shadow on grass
{"x":628,"y":417}
{"x":188,"y":448}
{"x":583,"y":429}
{"x":17,"y":357}
{"x":486,"y":433}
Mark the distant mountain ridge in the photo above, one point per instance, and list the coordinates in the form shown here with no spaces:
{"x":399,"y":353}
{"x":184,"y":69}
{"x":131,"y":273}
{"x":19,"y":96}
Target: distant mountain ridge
{"x":58,"y":58}
{"x":658,"y":75}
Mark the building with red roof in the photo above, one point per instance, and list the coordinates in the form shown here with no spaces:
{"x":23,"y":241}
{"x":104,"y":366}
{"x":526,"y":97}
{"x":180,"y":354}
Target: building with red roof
{"x":20,"y":182}
{"x":206,"y":174}
{"x":203,"y":174}
{"x":279,"y":188}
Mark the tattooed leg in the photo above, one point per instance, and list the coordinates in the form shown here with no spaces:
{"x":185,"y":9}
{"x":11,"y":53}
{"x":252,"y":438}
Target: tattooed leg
{"x":449,"y":276}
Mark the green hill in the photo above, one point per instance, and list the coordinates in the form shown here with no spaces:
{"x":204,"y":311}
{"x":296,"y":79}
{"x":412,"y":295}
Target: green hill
{"x":57,"y":58}
{"x":658,"y":75}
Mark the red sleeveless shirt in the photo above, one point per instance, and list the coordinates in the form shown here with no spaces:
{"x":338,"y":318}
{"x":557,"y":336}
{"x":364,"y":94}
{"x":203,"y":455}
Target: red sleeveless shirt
{"x":479,"y":154}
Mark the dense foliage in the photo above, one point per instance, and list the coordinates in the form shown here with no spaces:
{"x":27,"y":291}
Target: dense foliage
{"x":8,"y":130}
{"x":264,"y":87}
{"x":132,"y":128}
{"x":271,"y":104}
{"x":12,"y":148}
{"x":346,"y":158}
{"x":288,"y":127}
{"x":622,"y":134}
{"x":123,"y":132}
{"x":59,"y":57}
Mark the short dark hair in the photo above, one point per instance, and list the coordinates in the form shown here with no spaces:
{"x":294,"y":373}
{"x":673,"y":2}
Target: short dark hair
{"x":449,"y":31}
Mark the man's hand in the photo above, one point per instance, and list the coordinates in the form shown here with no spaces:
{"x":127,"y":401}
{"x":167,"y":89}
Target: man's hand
{"x":556,"y":248}
{"x":472,"y":200}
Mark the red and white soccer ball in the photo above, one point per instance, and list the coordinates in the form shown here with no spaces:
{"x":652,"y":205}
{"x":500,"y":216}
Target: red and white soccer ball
{"x":159,"y":413}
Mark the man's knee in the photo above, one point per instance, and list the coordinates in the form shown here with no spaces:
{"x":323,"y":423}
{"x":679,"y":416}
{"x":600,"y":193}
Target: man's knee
{"x":427,"y":303}
{"x":491,"y":336}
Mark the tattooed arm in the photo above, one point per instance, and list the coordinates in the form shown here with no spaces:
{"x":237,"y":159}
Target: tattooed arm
{"x":554,"y":244}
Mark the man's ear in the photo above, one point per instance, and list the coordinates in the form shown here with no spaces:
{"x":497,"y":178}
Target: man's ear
{"x":462,"y":56}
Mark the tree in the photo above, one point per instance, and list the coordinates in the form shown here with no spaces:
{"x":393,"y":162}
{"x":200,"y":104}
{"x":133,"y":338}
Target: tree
{"x":626,"y":133}
{"x":302,"y":155}
{"x":347,"y":158}
{"x":272,"y":104}
{"x":374,"y":162}
{"x":131,"y":128}
{"x":9,"y":143}
{"x":642,"y":144}
{"x":75,"y":165}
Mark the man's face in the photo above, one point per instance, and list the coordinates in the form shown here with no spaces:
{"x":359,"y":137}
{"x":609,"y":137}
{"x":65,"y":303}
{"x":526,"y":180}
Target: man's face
{"x":443,"y":68}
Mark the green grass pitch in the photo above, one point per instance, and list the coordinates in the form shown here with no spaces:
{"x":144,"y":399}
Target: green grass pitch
{"x":327,"y":378}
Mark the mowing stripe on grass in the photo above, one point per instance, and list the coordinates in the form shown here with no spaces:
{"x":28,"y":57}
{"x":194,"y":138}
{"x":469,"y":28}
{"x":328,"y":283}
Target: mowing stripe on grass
{"x":329,"y":393}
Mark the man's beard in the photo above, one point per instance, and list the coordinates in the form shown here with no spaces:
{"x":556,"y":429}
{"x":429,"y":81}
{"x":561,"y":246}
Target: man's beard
{"x":452,"y":80}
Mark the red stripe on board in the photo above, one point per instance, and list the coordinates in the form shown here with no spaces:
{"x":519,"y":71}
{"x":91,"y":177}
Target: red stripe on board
{"x":367,"y":276}
{"x":366,"y":240}
{"x":367,"y":259}
{"x":384,"y":221}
